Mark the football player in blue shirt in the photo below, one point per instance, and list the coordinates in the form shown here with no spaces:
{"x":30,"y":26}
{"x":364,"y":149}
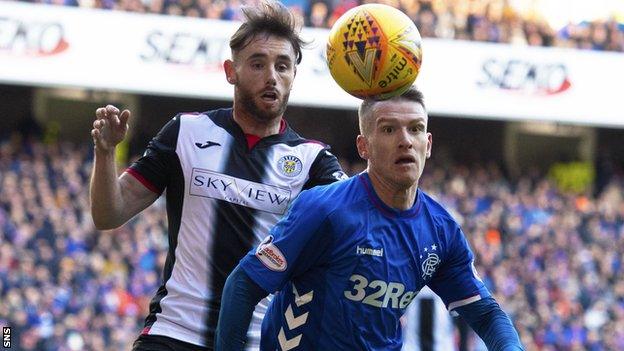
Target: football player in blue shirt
{"x":348,"y":258}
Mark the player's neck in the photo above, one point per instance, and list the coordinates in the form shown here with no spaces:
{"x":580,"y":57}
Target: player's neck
{"x":255,"y":126}
{"x":392,"y":194}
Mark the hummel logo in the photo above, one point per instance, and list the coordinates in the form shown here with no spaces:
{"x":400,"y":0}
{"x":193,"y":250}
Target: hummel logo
{"x":207,"y":144}
{"x":369,"y":251}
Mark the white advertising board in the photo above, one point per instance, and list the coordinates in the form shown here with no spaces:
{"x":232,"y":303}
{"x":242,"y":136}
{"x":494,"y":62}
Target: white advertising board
{"x":43,"y":45}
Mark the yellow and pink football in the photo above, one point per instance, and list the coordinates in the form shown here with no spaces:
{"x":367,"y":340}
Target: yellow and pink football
{"x":374,"y":51}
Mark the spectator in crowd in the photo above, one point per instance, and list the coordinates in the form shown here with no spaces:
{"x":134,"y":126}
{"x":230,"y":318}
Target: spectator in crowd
{"x":553,"y":260}
{"x":480,"y":20}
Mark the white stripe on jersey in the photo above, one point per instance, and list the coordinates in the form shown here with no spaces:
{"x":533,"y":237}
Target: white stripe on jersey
{"x":184,"y":309}
{"x":443,"y":327}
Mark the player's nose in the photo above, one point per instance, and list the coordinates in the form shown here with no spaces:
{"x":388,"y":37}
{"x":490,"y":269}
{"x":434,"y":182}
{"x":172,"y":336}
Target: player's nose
{"x":271,"y":76}
{"x":404,"y":139}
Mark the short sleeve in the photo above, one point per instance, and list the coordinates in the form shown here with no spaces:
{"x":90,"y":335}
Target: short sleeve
{"x":457,"y":282}
{"x":154,"y":168}
{"x":325,"y":170}
{"x":296,"y":243}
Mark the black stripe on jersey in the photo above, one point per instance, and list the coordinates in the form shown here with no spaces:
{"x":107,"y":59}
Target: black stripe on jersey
{"x":233,"y":236}
{"x":325,"y":170}
{"x":425,"y":322}
{"x":161,"y":166}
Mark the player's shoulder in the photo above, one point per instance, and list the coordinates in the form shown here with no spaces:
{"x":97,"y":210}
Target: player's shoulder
{"x":217,"y":116}
{"x":288,"y":136}
{"x":436,"y":210}
{"x":330,"y":197}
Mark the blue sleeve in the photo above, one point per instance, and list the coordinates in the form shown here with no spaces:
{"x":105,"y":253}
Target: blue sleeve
{"x":296,"y":243}
{"x":489,"y":321}
{"x":457,"y":281}
{"x":239,"y":299}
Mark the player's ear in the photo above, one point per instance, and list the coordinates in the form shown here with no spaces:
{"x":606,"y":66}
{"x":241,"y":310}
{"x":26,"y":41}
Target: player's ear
{"x":230,"y":71}
{"x":362,"y":146}
{"x":429,"y":144}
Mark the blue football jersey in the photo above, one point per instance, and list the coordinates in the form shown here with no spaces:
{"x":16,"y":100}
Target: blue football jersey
{"x":344,"y":267}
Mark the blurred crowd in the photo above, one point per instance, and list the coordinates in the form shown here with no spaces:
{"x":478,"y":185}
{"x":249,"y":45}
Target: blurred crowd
{"x":64,"y":285}
{"x":480,"y":20}
{"x":553,"y":260}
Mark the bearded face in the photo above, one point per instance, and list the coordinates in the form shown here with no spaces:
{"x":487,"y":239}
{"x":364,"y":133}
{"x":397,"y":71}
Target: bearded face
{"x":263,"y":73}
{"x":248,"y":100}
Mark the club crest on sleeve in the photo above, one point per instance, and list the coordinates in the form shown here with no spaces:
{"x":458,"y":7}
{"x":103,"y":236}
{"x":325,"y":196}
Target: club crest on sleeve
{"x":270,"y":255}
{"x":290,"y":166}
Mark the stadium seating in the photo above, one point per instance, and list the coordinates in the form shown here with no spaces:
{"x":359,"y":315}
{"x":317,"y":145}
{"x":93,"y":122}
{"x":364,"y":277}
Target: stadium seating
{"x":481,"y":20}
{"x":552,"y":259}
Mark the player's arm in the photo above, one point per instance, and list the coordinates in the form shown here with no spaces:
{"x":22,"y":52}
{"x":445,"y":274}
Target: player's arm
{"x":325,"y":170}
{"x":296,"y":243}
{"x":492,"y":324}
{"x":115,"y":199}
{"x":459,"y":285}
{"x":240,"y":297}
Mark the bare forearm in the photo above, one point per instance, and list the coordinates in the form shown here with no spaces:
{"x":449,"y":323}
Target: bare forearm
{"x":106,"y":197}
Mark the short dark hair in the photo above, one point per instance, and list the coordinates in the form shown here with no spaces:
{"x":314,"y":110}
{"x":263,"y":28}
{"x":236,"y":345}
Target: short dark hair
{"x":269,"y":17}
{"x":411,"y":94}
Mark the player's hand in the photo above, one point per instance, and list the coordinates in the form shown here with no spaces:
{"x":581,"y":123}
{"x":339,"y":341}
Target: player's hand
{"x":110,"y":127}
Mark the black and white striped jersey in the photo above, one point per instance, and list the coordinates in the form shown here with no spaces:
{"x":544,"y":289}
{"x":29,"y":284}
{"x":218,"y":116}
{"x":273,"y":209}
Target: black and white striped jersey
{"x":428,"y":324}
{"x":222,"y":196}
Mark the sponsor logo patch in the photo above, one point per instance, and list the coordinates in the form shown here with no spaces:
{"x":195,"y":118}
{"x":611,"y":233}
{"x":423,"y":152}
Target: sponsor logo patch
{"x":238,"y":191}
{"x":270,"y":255}
{"x":290,"y":166}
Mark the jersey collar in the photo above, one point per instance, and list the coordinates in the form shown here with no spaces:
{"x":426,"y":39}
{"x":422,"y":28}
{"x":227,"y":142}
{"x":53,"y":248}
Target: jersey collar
{"x":385,"y":209}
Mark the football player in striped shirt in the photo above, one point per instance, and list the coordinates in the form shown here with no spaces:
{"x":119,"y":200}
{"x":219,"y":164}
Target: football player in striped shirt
{"x":348,"y":258}
{"x":229,"y":176}
{"x":427,"y":325}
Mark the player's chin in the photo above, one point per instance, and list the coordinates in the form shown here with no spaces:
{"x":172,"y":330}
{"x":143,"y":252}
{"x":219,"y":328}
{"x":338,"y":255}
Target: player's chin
{"x":275,"y":107}
{"x":406,"y":177}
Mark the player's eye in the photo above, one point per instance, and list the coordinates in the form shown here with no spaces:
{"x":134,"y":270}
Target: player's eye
{"x":282,"y":67}
{"x":417,"y":129}
{"x":387,"y":129}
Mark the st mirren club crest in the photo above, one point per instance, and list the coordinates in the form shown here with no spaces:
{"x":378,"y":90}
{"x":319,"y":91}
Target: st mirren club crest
{"x":430,"y":262}
{"x":290,"y":166}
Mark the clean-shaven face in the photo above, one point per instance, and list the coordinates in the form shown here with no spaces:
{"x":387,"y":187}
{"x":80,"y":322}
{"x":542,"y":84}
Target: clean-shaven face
{"x":396,"y":142}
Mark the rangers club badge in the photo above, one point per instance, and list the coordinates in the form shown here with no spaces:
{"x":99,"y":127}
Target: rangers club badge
{"x":431,"y":263}
{"x":290,"y":166}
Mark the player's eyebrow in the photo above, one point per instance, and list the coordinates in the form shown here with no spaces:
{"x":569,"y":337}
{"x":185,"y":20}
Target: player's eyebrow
{"x":419,"y":119}
{"x":263,"y":55}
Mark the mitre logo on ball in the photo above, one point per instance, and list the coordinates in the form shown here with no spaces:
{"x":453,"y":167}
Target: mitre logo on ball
{"x":374,"y":51}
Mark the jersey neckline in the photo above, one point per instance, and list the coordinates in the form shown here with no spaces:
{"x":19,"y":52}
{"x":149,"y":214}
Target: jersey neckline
{"x":251,"y":141}
{"x":386,"y":210}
